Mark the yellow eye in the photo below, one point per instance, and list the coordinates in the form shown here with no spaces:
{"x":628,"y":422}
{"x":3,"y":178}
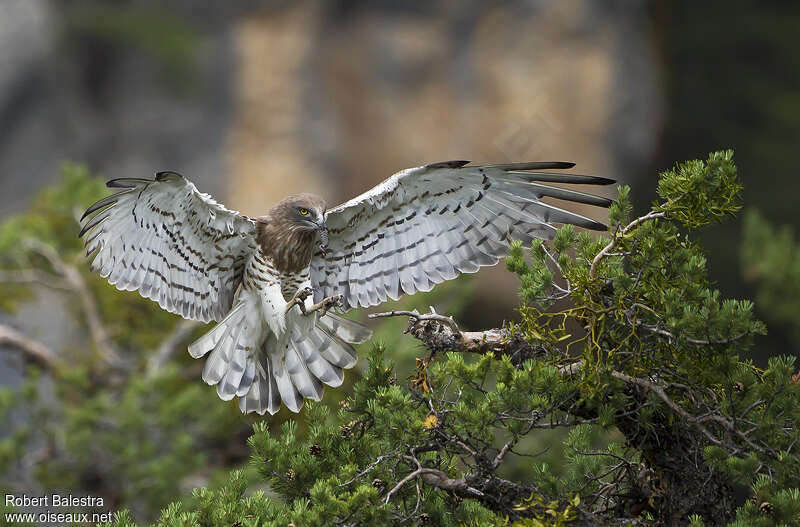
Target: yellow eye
{"x":304,"y":212}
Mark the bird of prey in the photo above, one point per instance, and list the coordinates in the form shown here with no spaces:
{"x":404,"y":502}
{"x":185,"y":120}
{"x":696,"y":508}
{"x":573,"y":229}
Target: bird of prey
{"x":271,"y":281}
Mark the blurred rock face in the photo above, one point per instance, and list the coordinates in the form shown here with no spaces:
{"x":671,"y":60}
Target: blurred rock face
{"x":333,"y":99}
{"x":129,"y":88}
{"x":266,"y":99}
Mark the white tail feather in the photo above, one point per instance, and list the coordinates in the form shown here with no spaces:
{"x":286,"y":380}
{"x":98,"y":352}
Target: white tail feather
{"x":229,"y":384}
{"x":262,"y":395}
{"x":207,"y":342}
{"x":262,"y":370}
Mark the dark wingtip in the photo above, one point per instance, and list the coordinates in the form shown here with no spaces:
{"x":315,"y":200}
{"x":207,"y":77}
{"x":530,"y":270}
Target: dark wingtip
{"x":596,"y":226}
{"x":167,"y":174}
{"x":99,"y":204}
{"x":458,"y":163}
{"x":534,"y":165}
{"x":558,"y":164}
{"x":603,"y":181}
{"x":553,"y":177}
{"x":126,"y":182}
{"x":84,"y":229}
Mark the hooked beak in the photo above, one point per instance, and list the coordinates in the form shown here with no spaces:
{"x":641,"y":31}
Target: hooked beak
{"x":323,"y":237}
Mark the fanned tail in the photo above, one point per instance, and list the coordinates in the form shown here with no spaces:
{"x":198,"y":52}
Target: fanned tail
{"x":314,"y":352}
{"x":264,"y":370}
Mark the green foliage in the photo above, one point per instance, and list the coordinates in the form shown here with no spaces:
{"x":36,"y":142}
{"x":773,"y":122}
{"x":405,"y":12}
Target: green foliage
{"x":151,"y":437}
{"x":316,"y":475}
{"x":697,"y":193}
{"x":655,"y":352}
{"x":771,"y":259}
{"x":655,"y":312}
{"x":552,"y":514}
{"x":770,"y":506}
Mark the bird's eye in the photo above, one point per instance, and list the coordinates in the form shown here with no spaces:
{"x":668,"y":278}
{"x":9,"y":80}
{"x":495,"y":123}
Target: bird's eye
{"x":303,"y":212}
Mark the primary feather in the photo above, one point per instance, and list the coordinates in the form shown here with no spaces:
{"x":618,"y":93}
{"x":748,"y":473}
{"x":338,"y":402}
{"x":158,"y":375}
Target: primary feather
{"x":428,"y":224}
{"x":170,"y":242}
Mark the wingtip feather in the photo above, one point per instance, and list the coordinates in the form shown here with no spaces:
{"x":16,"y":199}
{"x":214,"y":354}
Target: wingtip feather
{"x":167,"y":175}
{"x":564,"y":178}
{"x":456,"y":163}
{"x":126,"y":182}
{"x":102,"y":203}
{"x":535,"y":165}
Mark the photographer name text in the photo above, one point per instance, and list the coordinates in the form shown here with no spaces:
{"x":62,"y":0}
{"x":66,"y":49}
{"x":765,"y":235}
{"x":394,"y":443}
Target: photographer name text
{"x":53,"y":500}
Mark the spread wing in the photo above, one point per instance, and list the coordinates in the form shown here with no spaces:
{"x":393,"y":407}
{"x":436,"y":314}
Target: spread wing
{"x":170,"y":242}
{"x":428,"y":224}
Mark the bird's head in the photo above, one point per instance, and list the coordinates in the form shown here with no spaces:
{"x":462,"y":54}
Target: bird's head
{"x":305,"y":212}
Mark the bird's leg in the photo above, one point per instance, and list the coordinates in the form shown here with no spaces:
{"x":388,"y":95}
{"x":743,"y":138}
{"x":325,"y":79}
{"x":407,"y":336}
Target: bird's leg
{"x":299,"y":299}
{"x":324,"y":305}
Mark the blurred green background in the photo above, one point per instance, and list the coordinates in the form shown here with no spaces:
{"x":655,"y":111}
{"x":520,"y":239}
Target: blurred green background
{"x":254,"y":100}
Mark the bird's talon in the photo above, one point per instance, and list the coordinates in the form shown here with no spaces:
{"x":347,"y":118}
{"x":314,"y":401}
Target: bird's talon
{"x":299,"y":299}
{"x":325,"y":304}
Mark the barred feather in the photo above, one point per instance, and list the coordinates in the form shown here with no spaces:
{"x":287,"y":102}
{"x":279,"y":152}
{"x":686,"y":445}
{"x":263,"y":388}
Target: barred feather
{"x":428,"y":224}
{"x":171,"y":243}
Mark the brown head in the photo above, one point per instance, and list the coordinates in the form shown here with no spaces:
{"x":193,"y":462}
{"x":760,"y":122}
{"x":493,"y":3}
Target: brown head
{"x":289,"y":231}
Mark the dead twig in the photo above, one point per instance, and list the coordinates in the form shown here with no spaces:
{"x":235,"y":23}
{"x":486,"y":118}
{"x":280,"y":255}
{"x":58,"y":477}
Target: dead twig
{"x":33,"y":276}
{"x":170,"y":345}
{"x":617,"y":235}
{"x":420,"y":318}
{"x":33,"y":350}
{"x":100,"y":336}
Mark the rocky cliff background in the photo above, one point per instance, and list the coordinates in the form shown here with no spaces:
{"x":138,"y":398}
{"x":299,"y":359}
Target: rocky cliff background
{"x":269,"y":98}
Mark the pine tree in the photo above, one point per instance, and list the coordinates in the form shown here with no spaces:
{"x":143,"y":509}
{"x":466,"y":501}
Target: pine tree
{"x":625,"y":362}
{"x":623,"y":395}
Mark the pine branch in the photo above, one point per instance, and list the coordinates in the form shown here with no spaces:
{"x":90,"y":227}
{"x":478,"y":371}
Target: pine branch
{"x":606,"y":251}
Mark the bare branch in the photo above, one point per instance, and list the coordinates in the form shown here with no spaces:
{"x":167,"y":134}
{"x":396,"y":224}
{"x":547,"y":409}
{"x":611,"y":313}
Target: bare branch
{"x":439,"y":479}
{"x":696,"y":421}
{"x":658,"y":390}
{"x":503,"y":451}
{"x":573,"y":368}
{"x":613,"y":243}
{"x":72,"y":276}
{"x":323,"y":305}
{"x":367,"y":470}
{"x":441,"y":333}
{"x":33,"y":276}
{"x":34,"y":350}
{"x":419,"y":318}
{"x":170,"y":345}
